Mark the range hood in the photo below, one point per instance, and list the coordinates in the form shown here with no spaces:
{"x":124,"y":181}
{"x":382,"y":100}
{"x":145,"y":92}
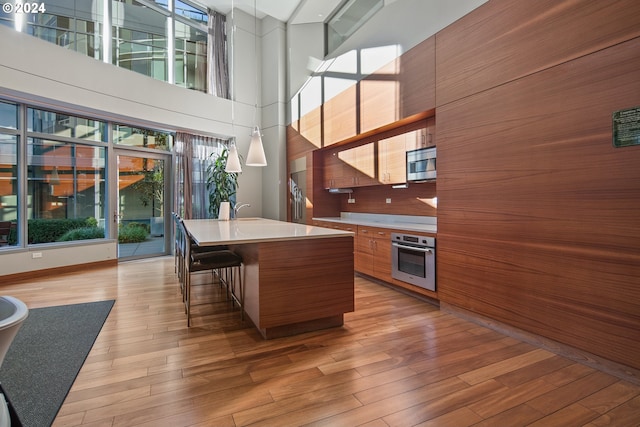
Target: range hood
{"x":340,"y":190}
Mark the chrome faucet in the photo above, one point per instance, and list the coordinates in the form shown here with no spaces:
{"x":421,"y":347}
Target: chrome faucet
{"x":237,"y":208}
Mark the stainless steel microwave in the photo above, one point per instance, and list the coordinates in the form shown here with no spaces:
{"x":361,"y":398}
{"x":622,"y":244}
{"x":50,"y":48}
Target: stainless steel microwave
{"x":421,"y":165}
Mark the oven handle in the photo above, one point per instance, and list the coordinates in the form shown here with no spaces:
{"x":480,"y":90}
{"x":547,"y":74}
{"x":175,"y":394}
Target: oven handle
{"x":412,"y":248}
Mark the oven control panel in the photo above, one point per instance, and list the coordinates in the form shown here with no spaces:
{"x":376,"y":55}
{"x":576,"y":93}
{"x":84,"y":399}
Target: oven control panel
{"x":423,"y":241}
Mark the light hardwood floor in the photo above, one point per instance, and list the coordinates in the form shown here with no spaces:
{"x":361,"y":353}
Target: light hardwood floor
{"x":398,"y":361}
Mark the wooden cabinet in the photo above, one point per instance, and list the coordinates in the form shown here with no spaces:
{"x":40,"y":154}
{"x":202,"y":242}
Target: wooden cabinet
{"x":378,"y":162}
{"x":392,"y":160}
{"x":333,"y":169}
{"x":422,"y":138}
{"x":351,"y":167}
{"x":373,"y":252}
{"x":359,"y":165}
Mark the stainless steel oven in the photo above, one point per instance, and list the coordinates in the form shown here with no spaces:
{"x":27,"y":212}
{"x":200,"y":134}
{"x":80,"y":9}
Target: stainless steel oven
{"x":414,"y":260}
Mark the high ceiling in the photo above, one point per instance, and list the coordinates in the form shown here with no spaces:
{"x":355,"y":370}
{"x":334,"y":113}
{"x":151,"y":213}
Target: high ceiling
{"x":282,"y":10}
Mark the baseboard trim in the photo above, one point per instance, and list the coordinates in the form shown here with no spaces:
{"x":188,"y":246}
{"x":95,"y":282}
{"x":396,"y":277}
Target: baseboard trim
{"x":616,"y":369}
{"x":35,"y":274}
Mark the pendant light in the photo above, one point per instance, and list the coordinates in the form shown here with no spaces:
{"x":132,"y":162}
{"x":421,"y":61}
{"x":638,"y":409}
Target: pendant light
{"x":255,"y":156}
{"x":233,"y":160}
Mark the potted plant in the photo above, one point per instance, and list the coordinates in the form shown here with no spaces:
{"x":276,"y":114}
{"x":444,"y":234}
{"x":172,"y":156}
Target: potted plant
{"x":221,"y":185}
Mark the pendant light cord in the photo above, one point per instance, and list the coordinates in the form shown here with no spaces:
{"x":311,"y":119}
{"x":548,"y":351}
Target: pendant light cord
{"x":255,"y":56}
{"x":232,"y":76}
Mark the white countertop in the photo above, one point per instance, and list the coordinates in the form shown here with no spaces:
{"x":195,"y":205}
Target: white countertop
{"x":209,"y":232}
{"x":399,"y":222}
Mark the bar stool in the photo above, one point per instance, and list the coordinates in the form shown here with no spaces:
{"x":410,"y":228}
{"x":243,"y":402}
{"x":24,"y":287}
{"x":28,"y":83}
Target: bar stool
{"x":180,"y":250}
{"x":216,"y":260}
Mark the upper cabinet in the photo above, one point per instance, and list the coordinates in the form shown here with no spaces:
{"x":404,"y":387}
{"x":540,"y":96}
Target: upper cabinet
{"x":422,"y":138}
{"x":392,"y":160}
{"x":378,"y":162}
{"x":352,"y":167}
{"x":417,"y":78}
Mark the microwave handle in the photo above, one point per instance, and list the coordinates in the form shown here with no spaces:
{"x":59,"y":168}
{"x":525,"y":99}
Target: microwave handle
{"x":413,"y":248}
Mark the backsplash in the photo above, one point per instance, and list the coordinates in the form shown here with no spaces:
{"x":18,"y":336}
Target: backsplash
{"x":416,"y":199}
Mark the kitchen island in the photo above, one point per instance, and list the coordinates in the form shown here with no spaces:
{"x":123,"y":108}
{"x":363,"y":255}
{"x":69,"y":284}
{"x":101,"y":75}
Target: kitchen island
{"x":297,"y":278}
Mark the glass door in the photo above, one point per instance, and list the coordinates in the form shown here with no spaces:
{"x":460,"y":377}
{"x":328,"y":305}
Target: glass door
{"x":141,"y":212}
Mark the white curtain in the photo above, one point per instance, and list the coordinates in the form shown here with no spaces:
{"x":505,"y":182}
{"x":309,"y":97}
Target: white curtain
{"x":192,"y":156}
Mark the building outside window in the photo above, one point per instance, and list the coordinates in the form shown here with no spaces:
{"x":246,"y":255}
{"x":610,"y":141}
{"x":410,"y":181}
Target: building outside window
{"x":140,"y":36}
{"x":190,"y":57}
{"x":66,"y":177}
{"x":72,"y":24}
{"x":65,"y":181}
{"x":163,"y":39}
{"x":141,"y":137}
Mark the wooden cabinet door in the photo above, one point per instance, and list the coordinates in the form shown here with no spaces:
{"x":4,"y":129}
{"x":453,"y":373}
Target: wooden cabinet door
{"x":363,"y":256}
{"x":392,"y":160}
{"x":333,"y":169}
{"x":358,"y":166}
{"x":373,"y":252}
{"x":365,"y":162}
{"x":382,"y":255}
{"x":422,"y":138}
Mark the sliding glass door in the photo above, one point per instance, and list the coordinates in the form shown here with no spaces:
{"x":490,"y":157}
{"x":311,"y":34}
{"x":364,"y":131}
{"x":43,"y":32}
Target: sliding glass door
{"x":142,"y":204}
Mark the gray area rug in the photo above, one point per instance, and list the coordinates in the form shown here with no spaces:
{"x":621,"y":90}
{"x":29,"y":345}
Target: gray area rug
{"x":46,"y":356}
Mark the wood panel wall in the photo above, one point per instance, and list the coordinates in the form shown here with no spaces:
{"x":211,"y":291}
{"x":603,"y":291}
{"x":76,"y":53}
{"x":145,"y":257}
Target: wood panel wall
{"x":538,"y":222}
{"x":417,"y":199}
{"x":504,"y":40}
{"x":418,"y":78}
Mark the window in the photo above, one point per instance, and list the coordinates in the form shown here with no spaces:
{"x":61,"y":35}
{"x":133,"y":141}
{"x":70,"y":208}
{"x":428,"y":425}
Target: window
{"x":75,"y":25}
{"x":140,"y":39}
{"x":8,"y":174}
{"x":65,"y":191}
{"x":65,"y":125}
{"x":348,"y":18}
{"x":66,"y":174}
{"x":190,"y":57}
{"x":191,"y":11}
{"x":8,"y":115}
{"x":150,"y":37}
{"x":140,"y":137}
{"x":61,"y":185}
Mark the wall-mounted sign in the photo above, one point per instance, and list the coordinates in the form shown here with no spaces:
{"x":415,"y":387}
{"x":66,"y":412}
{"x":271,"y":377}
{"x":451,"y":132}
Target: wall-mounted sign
{"x":626,"y":127}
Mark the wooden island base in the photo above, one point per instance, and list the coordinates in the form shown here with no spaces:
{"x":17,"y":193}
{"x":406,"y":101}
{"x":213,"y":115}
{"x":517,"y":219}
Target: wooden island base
{"x":297,"y":286}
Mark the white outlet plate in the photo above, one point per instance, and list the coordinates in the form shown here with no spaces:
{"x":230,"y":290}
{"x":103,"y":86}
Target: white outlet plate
{"x":388,"y":200}
{"x":35,"y":255}
{"x":350,"y":200}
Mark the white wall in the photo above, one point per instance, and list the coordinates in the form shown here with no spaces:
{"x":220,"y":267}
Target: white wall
{"x":21,"y":261}
{"x":274,"y":102}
